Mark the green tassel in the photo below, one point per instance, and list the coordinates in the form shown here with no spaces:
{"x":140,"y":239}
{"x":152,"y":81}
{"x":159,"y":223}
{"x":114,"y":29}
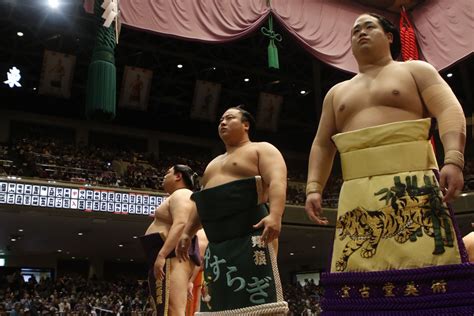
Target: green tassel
{"x":272,"y":49}
{"x":273,"y":55}
{"x":101,"y":78}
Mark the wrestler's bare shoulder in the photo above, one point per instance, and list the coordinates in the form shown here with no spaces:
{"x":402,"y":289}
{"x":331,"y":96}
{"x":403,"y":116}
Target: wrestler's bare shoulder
{"x":237,"y":164}
{"x":180,"y":194}
{"x":338,"y":87}
{"x":179,"y":199}
{"x":265,"y":147}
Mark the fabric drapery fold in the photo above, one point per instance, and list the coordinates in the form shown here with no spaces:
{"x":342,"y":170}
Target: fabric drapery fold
{"x":322,"y":27}
{"x":444,"y":31}
{"x":203,"y":20}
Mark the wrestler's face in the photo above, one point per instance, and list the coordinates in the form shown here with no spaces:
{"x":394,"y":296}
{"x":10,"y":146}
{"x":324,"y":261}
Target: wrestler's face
{"x":368,"y":34}
{"x":231,"y":125}
{"x":168,"y":179}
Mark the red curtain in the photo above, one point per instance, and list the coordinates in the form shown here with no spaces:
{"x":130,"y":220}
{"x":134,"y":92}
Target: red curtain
{"x":202,"y":20}
{"x":443,"y":28}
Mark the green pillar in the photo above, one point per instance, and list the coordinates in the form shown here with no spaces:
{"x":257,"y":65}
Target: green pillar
{"x":101,"y":78}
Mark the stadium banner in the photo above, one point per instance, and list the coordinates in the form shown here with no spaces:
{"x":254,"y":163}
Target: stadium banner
{"x":205,"y":100}
{"x":56,"y":74}
{"x":268,"y":112}
{"x":135,"y":91}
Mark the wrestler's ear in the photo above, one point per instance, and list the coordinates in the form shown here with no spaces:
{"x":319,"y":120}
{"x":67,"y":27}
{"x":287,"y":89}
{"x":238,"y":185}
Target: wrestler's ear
{"x":246,"y":125}
{"x":178,"y":176}
{"x":390,"y":37}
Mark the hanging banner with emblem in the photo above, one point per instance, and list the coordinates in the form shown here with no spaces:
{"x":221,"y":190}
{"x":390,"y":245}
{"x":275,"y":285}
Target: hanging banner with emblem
{"x":269,"y":107}
{"x":206,"y":100}
{"x":56,"y":74}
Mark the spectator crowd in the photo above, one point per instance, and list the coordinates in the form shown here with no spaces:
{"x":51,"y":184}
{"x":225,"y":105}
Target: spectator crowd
{"x":303,"y":299}
{"x":50,"y":159}
{"x":75,"y":295}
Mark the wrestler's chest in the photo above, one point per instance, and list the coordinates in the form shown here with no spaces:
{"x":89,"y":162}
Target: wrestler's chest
{"x":162,"y":212}
{"x":239,"y":165}
{"x":391,"y":93}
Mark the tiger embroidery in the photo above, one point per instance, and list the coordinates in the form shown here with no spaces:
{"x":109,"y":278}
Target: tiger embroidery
{"x":406,"y":216}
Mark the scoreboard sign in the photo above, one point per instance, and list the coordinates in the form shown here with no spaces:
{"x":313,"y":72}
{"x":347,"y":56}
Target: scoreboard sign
{"x":79,"y":198}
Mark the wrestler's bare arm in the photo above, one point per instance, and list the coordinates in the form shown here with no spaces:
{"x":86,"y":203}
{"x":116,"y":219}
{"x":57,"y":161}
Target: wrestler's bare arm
{"x":427,"y":77}
{"x":321,"y":159}
{"x":442,"y":104}
{"x":194,"y":222}
{"x":192,"y":226}
{"x":469,"y":243}
{"x":180,"y":207}
{"x":273,"y":171}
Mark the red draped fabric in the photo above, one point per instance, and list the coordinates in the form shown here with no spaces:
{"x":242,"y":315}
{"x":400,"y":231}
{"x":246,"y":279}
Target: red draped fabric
{"x":203,"y":20}
{"x":444,"y":31}
{"x":443,"y":28}
{"x":323,"y":27}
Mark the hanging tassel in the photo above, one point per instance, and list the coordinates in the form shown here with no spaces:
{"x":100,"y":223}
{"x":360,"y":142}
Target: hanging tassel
{"x":273,"y":56}
{"x":407,"y":37}
{"x":272,"y":49}
{"x":101,"y":78}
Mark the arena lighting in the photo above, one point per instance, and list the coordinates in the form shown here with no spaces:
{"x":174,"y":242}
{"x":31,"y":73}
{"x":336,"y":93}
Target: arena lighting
{"x":131,"y":260}
{"x":314,"y":247}
{"x":20,"y":34}
{"x":292,"y":254}
{"x":59,"y":250}
{"x":53,"y":4}
{"x":303,"y":92}
{"x":449,"y":75}
{"x":135,"y":237}
{"x":120,"y":245}
{"x":213,"y":68}
{"x":80,"y":234}
{"x":20,"y":230}
{"x":73,"y":258}
{"x":179,"y":66}
{"x":246,"y":79}
{"x":13,"y":239}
